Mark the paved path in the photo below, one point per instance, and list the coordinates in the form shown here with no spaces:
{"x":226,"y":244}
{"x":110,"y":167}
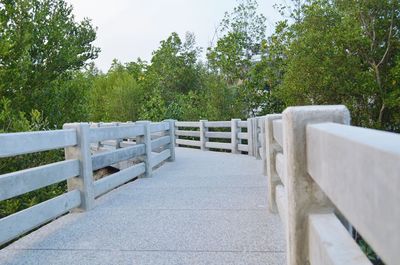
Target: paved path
{"x":205,"y":208}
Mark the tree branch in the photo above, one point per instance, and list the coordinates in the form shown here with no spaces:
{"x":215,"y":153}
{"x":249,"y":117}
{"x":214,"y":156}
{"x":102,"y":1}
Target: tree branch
{"x":389,"y":38}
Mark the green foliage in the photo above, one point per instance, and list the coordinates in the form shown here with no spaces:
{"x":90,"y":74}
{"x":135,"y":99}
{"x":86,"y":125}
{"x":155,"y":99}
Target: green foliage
{"x":236,"y":54}
{"x":153,"y":107}
{"x":368,"y":251}
{"x":174,"y":69}
{"x":117,"y":95}
{"x":340,"y":52}
{"x":41,"y":49}
{"x":174,"y":85}
{"x":11,"y":121}
{"x":243,"y":32}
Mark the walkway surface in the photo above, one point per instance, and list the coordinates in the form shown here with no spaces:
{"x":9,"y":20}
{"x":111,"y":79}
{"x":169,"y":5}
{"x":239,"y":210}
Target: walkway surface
{"x":204,"y":208}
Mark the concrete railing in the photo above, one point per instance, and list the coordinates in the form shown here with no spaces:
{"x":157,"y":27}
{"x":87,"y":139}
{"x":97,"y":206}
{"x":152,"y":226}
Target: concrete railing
{"x":238,"y":136}
{"x":135,"y":140}
{"x":322,"y":174}
{"x":321,"y":170}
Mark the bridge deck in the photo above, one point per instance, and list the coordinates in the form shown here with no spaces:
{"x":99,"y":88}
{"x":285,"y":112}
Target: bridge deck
{"x":205,"y":208}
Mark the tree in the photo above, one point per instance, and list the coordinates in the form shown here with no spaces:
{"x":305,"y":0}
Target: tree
{"x":42,"y":47}
{"x":236,"y":53}
{"x":343,"y":52}
{"x":378,"y":43}
{"x":117,"y":95}
{"x":173,"y":66}
{"x":243,"y":31}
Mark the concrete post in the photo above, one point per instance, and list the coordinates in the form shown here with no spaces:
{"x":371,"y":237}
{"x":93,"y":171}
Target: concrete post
{"x":234,"y":136}
{"x":257,"y":132}
{"x":99,"y":144}
{"x":304,"y":195}
{"x":254,"y":136}
{"x":250,"y":137}
{"x":81,"y":151}
{"x":263,"y":153}
{"x":118,"y":141}
{"x":203,"y":138}
{"x":272,"y":148}
{"x":171,"y":133}
{"x":146,"y":140}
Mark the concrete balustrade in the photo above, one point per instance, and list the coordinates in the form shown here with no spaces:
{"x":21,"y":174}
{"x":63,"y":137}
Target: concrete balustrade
{"x":317,"y":165}
{"x":197,"y":134}
{"x":112,"y":143}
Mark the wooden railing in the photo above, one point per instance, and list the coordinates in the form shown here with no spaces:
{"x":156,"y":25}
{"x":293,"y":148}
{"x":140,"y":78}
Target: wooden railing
{"x":321,"y":170}
{"x":235,"y":135}
{"x":134,"y":140}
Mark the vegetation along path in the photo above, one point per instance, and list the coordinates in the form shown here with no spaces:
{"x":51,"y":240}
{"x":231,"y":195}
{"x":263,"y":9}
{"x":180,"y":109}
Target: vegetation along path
{"x":205,"y":208}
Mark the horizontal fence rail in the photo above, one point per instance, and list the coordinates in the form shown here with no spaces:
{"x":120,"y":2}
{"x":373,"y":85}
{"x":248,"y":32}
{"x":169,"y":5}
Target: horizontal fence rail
{"x":117,"y":179}
{"x":108,"y":133}
{"x":20,"y":182}
{"x":88,"y":147}
{"x":21,"y":222}
{"x":187,"y":133}
{"x":105,"y":159}
{"x":13,"y":144}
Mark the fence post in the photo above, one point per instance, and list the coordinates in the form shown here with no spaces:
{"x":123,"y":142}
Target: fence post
{"x":171,"y":133}
{"x":100,"y":144}
{"x":257,"y":136}
{"x":304,"y":195}
{"x":203,"y":138}
{"x":118,"y":141}
{"x":234,"y":135}
{"x":250,"y":137}
{"x":272,"y":148}
{"x":81,"y":151}
{"x":263,"y":145}
{"x":146,"y":140}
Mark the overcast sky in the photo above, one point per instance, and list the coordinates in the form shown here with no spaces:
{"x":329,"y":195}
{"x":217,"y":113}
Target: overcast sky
{"x":128,"y":29}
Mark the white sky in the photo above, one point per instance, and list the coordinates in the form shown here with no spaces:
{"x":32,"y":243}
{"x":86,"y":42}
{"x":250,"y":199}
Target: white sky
{"x":128,"y":29}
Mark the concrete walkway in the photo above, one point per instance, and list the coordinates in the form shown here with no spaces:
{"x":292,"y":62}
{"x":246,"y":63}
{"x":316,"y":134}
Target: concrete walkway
{"x":205,"y":208}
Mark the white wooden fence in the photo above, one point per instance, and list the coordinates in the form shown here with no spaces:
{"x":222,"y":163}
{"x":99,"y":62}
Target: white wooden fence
{"x":78,"y":166}
{"x":319,"y":169}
